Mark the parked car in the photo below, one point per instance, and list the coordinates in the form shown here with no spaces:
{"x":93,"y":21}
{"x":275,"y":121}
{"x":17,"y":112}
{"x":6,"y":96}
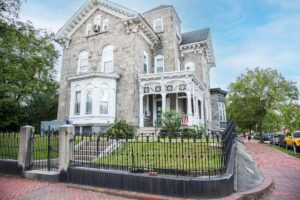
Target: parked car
{"x":292,"y":139}
{"x":266,"y":137}
{"x":277,"y":139}
{"x":257,"y":136}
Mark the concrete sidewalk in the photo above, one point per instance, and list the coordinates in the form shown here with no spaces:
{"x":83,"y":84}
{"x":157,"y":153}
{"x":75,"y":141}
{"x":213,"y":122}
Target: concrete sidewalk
{"x":282,"y":168}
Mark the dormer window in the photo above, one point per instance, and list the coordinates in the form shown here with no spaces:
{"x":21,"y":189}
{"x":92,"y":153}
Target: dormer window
{"x":83,"y":62}
{"x":105,"y":25}
{"x":88,"y":29}
{"x":158,"y":25}
{"x":159,"y":64}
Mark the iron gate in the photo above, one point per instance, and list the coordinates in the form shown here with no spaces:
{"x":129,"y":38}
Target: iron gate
{"x":44,"y":155}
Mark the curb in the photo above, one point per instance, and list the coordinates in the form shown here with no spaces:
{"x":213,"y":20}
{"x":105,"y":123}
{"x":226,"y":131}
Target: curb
{"x":120,"y":193}
{"x":255,"y":193}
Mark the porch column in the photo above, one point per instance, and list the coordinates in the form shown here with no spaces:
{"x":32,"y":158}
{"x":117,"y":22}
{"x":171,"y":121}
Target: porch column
{"x":189,"y":107}
{"x":141,"y":110}
{"x":163,"y":101}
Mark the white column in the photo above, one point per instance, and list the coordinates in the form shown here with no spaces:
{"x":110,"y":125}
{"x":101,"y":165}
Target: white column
{"x":163,"y":101}
{"x":196,"y":108}
{"x":176,"y":102}
{"x":189,"y":107}
{"x":141,"y":110}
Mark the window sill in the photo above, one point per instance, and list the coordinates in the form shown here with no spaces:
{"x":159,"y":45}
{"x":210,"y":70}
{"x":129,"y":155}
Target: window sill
{"x":96,"y":33}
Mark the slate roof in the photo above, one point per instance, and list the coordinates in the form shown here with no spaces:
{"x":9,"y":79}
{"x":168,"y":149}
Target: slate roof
{"x":195,"y":36}
{"x":159,"y":8}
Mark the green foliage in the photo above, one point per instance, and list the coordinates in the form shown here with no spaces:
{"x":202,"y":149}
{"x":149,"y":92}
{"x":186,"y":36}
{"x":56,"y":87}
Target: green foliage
{"x":27,"y":81}
{"x":120,"y":130}
{"x":290,"y":115}
{"x":256,"y":95}
{"x":170,"y":122}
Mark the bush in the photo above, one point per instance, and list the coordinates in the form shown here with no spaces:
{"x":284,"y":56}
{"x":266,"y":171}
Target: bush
{"x":120,"y":130}
{"x":170,"y":122}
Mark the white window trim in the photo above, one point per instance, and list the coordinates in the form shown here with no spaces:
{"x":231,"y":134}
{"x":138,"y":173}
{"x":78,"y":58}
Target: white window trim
{"x":162,"y":25}
{"x":159,"y":57}
{"x":79,"y":60}
{"x":178,"y":64}
{"x":147,"y":62}
{"x":96,"y":19}
{"x":105,"y":23}
{"x":80,"y":102}
{"x":104,"y":87}
{"x":86,"y":98}
{"x":103,"y":60}
{"x":88,"y":27}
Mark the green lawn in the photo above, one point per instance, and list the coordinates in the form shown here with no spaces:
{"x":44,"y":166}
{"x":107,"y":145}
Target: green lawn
{"x":40,"y":147}
{"x":284,"y":150}
{"x":185,"y":156}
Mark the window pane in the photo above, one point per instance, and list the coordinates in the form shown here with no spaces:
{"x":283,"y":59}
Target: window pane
{"x":88,"y":109}
{"x":103,"y":107}
{"x":159,"y":65}
{"x":108,"y":66}
{"x":77,"y":103}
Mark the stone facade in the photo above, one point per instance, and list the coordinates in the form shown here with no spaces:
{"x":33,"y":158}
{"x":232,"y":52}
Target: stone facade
{"x":131,"y":34}
{"x":218,"y":109}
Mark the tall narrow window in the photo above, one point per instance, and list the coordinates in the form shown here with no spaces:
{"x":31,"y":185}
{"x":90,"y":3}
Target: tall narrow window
{"x":159,"y":64}
{"x":77,"y":103}
{"x":104,"y":101}
{"x":107,"y":59}
{"x":158,"y":25}
{"x":88,"y":29}
{"x":89,"y":102}
{"x":145,"y":63}
{"x":97,"y":20}
{"x":105,"y":25}
{"x":199,"y":109}
{"x":83,"y":61}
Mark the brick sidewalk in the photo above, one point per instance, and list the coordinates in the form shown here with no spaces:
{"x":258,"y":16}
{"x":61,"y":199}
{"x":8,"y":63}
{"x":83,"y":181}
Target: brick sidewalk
{"x":23,"y":189}
{"x":282,"y":168}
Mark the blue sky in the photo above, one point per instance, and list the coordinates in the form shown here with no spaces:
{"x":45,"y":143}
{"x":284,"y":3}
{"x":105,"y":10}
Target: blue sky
{"x":245,"y":33}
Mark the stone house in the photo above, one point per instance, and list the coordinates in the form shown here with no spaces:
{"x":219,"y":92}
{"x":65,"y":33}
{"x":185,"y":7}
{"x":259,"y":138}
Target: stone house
{"x":121,"y":64}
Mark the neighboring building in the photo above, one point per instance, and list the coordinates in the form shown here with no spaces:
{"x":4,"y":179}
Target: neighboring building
{"x":120,"y":64}
{"x":218,"y":109}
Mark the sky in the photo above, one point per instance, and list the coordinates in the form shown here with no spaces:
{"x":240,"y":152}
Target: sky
{"x":245,"y":33}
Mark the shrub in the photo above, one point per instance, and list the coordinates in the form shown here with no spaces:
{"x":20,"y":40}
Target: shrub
{"x":120,"y":130}
{"x":170,"y":122}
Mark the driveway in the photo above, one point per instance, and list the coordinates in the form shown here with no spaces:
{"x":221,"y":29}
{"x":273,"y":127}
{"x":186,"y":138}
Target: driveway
{"x":282,"y":168}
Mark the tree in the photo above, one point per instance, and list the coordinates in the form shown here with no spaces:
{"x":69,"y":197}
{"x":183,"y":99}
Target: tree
{"x":9,"y":8}
{"x":290,"y":115}
{"x":170,"y":122}
{"x":27,"y":59}
{"x":256,"y":94}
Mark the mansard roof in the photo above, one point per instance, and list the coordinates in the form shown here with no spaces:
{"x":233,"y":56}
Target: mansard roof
{"x":195,"y":36}
{"x":218,"y":91}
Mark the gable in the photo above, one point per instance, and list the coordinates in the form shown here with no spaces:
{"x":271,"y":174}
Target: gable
{"x":85,"y":11}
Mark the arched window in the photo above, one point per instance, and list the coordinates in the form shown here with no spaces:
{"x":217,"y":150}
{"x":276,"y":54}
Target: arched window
{"x":158,"y":25}
{"x":88,"y":29}
{"x":159,"y":64}
{"x":97,"y":20}
{"x":190,"y":66}
{"x":146,"y":63}
{"x":83,"y":61}
{"x":104,"y":96}
{"x":89,"y":100}
{"x":107,"y":59}
{"x":105,"y":25}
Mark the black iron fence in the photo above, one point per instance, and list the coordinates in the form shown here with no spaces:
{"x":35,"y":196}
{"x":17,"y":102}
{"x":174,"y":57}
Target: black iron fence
{"x":185,"y":153}
{"x":44,"y":152}
{"x":9,"y":145}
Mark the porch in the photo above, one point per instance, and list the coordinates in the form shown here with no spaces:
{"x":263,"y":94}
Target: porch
{"x":180,"y":91}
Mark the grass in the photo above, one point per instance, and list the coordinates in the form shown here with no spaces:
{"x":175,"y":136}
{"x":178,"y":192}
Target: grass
{"x":185,"y":155}
{"x":287,"y":151}
{"x":9,"y":146}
